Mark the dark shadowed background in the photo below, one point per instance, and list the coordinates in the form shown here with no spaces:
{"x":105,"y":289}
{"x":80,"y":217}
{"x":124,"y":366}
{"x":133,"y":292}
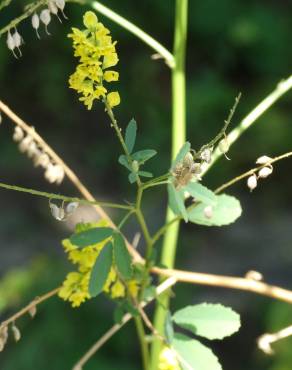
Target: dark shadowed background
{"x":233,"y":45}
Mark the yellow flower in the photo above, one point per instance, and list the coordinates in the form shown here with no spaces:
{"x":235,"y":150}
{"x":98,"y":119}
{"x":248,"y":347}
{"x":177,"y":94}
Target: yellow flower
{"x":167,"y":360}
{"x":96,"y":52}
{"x":117,"y":290}
{"x":133,"y":288}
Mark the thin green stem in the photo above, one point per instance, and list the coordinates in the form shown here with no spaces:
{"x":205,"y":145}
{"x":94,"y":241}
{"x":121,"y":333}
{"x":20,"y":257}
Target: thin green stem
{"x":63,"y":197}
{"x":143,"y":344}
{"x":155,"y":45}
{"x":125,"y":219}
{"x":178,"y":139}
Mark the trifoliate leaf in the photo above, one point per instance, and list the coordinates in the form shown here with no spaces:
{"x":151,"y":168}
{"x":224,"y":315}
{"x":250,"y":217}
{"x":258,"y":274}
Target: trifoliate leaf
{"x":91,"y":236}
{"x":201,"y":193}
{"x":143,"y":155}
{"x":130,"y":137}
{"x":181,"y":154}
{"x":123,"y":161}
{"x":101,"y":270}
{"x":211,"y":321}
{"x":193,"y":355}
{"x":226,"y":211}
{"x":177,"y":202}
{"x":122,"y":256}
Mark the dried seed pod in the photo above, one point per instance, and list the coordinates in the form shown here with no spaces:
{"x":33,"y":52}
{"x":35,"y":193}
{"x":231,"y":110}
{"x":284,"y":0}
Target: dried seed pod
{"x":61,"y":5}
{"x":3,"y":336}
{"x":53,"y":8}
{"x":42,"y":160}
{"x":252,"y":182}
{"x":32,"y":311}
{"x":45,"y":17}
{"x":57,"y":212}
{"x":18,"y":134}
{"x":265,"y":172}
{"x":206,"y":155}
{"x":16,"y":332}
{"x":263,"y":159}
{"x":35,"y":21}
{"x":71,"y":207}
{"x":208,"y":212}
{"x":25,"y":143}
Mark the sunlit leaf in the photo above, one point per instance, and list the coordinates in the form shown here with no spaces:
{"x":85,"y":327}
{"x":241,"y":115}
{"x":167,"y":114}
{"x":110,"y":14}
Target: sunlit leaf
{"x":212,"y":321}
{"x":101,"y":270}
{"x":201,"y":193}
{"x":226,"y":211}
{"x":193,"y":355}
{"x":130,"y":137}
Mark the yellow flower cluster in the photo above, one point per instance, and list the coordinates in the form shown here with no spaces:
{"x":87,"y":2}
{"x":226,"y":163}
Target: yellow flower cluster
{"x":75,"y":286}
{"x":167,"y":360}
{"x":96,"y":52}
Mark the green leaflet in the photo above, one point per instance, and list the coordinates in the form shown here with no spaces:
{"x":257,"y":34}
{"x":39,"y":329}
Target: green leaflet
{"x":194,"y":355}
{"x":91,"y":236}
{"x":177,"y":202}
{"x":226,"y":211}
{"x":122,"y":256}
{"x":101,"y":270}
{"x":143,"y":155}
{"x":211,"y":321}
{"x":181,"y":154}
{"x":201,"y":193}
{"x":130,"y":137}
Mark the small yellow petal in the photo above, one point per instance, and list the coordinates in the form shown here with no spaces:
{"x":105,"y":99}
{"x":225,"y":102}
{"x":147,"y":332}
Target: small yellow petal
{"x":90,"y":20}
{"x":110,"y":76}
{"x":113,"y":99}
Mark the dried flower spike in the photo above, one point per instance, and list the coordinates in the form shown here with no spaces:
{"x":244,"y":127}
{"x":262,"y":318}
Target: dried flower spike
{"x":252,"y":182}
{"x":265,"y":172}
{"x":35,"y":21}
{"x":45,"y":17}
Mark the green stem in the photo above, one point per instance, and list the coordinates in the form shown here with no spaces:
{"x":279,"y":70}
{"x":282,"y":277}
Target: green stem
{"x":155,"y":45}
{"x":63,"y":197}
{"x":143,"y":343}
{"x":178,"y":139}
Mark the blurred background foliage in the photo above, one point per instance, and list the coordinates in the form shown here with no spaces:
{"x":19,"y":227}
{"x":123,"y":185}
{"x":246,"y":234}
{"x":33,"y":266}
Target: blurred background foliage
{"x":233,"y":45}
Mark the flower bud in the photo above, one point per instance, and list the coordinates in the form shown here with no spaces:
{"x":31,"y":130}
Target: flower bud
{"x":61,"y":5}
{"x":35,"y":21}
{"x":17,"y":39}
{"x":16,"y":332}
{"x":252,"y":182}
{"x":18,"y":134}
{"x":263,"y":159}
{"x":53,"y":8}
{"x":54,"y":173}
{"x":25,"y":143}
{"x":135,"y":166}
{"x":42,"y":160}
{"x":265,"y":172}
{"x":32,"y":150}
{"x":224,"y":145}
{"x":45,"y":17}
{"x":10,"y":41}
{"x":208,"y":212}
{"x":3,"y":336}
{"x":32,"y":311}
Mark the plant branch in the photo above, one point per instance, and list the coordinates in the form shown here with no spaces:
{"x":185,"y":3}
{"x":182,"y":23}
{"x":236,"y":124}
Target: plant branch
{"x":282,"y":88}
{"x":142,"y":340}
{"x":265,"y":340}
{"x":30,"y":306}
{"x":231,"y":282}
{"x":159,"y":290}
{"x":155,"y":45}
{"x":63,"y":197}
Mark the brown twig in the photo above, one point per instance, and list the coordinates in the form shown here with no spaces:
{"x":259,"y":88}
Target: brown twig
{"x":30,"y":306}
{"x":230,"y":282}
{"x":69,"y":173}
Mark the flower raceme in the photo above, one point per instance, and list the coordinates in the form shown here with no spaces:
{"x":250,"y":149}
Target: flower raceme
{"x":96,"y":52}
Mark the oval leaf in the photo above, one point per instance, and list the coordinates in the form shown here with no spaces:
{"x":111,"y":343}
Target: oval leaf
{"x":143,"y":155}
{"x":201,"y":193}
{"x":130,"y":137}
{"x":123,"y":161}
{"x":211,"y":321}
{"x":193,"y":355}
{"x":226,"y":211}
{"x":122,"y":256}
{"x":91,"y":236}
{"x":133,"y":177}
{"x":177,"y":202}
{"x":101,"y":270}
{"x":145,"y":174}
{"x":181,"y":154}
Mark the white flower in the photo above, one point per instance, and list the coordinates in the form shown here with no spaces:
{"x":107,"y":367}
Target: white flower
{"x":265,"y":172}
{"x":25,"y":143}
{"x":45,"y":17}
{"x":252,"y":182}
{"x":263,"y":159}
{"x":18,"y":134}
{"x":35,"y":21}
{"x":42,"y":160}
{"x":54,"y":173}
